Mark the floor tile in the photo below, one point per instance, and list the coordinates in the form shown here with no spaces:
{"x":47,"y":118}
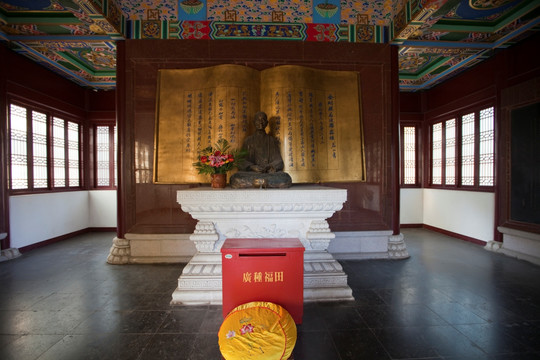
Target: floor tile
{"x":493,"y":313}
{"x":358,"y":344}
{"x":366,"y":297}
{"x":183,"y":320}
{"x":312,"y":319}
{"x":449,"y":342}
{"x":405,"y":343}
{"x":169,"y":347}
{"x":342,"y":318}
{"x":518,"y":356}
{"x":385,"y":316}
{"x":455,"y":314}
{"x":98,"y":347}
{"x":491,"y":338}
{"x":205,"y":347}
{"x":315,"y":345}
{"x":212,"y":320}
{"x":450,"y":300}
{"x":28,"y":346}
{"x":43,"y":322}
{"x":526,"y":332}
{"x":134,"y":322}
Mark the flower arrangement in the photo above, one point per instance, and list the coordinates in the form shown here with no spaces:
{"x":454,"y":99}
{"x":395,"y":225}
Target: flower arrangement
{"x":218,"y":159}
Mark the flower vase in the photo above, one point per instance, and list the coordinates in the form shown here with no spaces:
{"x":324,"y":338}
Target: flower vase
{"x":218,"y":181}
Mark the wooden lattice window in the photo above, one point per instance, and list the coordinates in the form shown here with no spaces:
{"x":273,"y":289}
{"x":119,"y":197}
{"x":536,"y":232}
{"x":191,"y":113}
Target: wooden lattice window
{"x":463,"y":151}
{"x":105,"y":156}
{"x":44,"y":150}
{"x":409,"y":155}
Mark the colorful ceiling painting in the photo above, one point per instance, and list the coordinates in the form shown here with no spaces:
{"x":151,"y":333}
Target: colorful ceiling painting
{"x":437,"y":39}
{"x":72,"y":37}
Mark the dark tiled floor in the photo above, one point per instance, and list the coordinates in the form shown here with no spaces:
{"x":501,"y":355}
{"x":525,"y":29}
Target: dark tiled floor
{"x":450,"y":300}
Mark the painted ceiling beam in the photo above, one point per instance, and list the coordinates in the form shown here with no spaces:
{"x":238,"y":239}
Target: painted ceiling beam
{"x":416,"y":17}
{"x":473,"y":45}
{"x":450,"y":25}
{"x":59,"y":37}
{"x":446,"y":44}
{"x":436,"y":78}
{"x":41,"y":20}
{"x":81,"y":80}
{"x":426,"y":71}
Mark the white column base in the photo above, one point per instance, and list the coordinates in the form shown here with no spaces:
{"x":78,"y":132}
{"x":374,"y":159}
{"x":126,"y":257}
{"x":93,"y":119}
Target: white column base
{"x":120,"y":252}
{"x":9,"y":254}
{"x":397,"y":248}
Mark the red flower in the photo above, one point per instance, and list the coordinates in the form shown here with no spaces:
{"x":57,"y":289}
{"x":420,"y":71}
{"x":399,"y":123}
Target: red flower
{"x":248,"y":328}
{"x":218,"y":159}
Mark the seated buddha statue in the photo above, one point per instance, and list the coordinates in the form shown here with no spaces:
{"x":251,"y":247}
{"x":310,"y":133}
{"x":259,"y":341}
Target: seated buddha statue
{"x":263,"y":164}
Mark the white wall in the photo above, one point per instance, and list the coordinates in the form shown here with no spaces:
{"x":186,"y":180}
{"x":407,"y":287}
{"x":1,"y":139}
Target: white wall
{"x":411,"y":206}
{"x":102,"y":208}
{"x":40,"y":217}
{"x":468,"y":213}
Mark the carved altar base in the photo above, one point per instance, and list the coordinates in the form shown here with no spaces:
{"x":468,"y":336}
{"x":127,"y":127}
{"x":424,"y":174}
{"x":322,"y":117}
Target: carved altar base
{"x":300,"y":212}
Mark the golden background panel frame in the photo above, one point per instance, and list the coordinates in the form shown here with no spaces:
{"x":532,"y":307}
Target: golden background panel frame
{"x":316,"y":115}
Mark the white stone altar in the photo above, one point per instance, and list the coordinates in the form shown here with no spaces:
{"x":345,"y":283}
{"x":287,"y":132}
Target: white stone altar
{"x":299,"y":211}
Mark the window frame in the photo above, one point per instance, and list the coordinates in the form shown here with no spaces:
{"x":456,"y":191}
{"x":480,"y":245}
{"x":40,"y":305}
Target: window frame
{"x":458,"y":116}
{"x":418,"y":153}
{"x":50,"y":113}
{"x":113,"y":148}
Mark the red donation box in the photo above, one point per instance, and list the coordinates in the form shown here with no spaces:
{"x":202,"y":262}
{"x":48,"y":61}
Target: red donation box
{"x":263,"y":270}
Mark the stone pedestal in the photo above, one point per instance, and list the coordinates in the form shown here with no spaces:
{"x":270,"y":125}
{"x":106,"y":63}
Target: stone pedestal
{"x":397,"y":248}
{"x":8,"y":254}
{"x":516,"y":243}
{"x":299,"y":212}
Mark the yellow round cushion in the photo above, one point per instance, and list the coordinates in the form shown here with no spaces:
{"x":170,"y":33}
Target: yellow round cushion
{"x":257,"y":330}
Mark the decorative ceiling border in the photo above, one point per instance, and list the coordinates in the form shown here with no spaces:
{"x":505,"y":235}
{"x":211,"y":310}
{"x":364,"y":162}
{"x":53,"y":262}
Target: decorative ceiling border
{"x":437,"y":39}
{"x":434,"y":48}
{"x":75,"y":60}
{"x":216,"y":30}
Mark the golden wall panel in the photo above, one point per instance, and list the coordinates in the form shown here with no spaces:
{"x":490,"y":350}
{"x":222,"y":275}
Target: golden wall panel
{"x":316,"y":115}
